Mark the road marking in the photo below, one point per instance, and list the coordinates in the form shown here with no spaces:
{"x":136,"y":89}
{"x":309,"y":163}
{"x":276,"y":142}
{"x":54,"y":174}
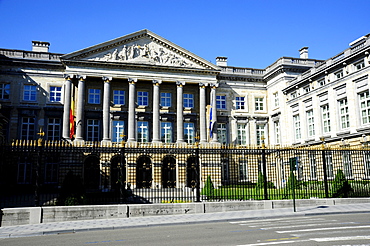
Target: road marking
{"x":326,"y":229}
{"x":308,"y":225}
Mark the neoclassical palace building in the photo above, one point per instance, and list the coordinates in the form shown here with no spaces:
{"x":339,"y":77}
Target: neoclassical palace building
{"x":142,"y":88}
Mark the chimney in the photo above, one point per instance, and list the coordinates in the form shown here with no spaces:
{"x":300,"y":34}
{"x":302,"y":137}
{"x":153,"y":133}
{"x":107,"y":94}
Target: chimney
{"x":221,"y":61}
{"x":39,"y":46}
{"x":303,"y":53}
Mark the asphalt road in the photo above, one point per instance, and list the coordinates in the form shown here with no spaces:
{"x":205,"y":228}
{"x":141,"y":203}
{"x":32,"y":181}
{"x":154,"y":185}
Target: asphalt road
{"x":345,"y":229}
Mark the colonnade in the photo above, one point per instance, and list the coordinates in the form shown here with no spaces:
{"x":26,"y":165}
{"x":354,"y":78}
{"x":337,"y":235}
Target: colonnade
{"x":131,"y":132}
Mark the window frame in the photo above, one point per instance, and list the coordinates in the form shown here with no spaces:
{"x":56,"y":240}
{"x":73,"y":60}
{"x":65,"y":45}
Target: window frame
{"x":325,"y":118}
{"x":221,"y":102}
{"x":240,"y":103}
{"x":29,"y":93}
{"x":188,"y":100}
{"x":94,"y":96}
{"x":259,"y":104}
{"x":166,"y":99}
{"x":92,"y":130}
{"x":55,"y":96}
{"x":119,"y":97}
{"x":5,"y":91}
{"x":143,"y":98}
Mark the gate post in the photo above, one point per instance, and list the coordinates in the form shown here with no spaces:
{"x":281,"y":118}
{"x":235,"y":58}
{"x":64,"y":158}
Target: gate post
{"x":122,"y":165}
{"x":39,"y":149}
{"x":324,"y":168}
{"x":264,"y":164}
{"x":197,"y":185}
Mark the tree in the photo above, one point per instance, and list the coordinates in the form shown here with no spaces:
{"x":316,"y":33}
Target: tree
{"x":341,"y":187}
{"x":208,"y":189}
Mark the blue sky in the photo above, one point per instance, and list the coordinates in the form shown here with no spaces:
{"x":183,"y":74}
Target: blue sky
{"x":250,"y":33}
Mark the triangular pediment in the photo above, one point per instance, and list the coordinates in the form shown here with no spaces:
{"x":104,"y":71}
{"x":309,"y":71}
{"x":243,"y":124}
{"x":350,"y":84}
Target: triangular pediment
{"x":143,"y":47}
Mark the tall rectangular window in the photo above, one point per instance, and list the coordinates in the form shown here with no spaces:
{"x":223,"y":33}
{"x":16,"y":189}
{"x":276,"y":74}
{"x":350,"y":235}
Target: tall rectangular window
{"x":165,"y":99}
{"x":243,"y":169}
{"x":24,"y":174}
{"x":343,"y":113}
{"x":297,"y":127}
{"x":55,"y":94}
{"x":260,"y":134}
{"x":276,"y":99}
{"x":220,"y":101}
{"x":119,"y":97}
{"x":367,"y":164}
{"x":347,"y":164}
{"x":4,"y":91}
{"x":92,"y":130}
{"x":325,"y":117}
{"x":339,"y":74}
{"x":142,"y":131}
{"x":258,"y":103}
{"x":188,"y":100}
{"x":118,"y":130}
{"x":51,"y":170}
{"x":189,"y":132}
{"x":240,"y":103}
{"x":242,"y":134}
{"x":313,"y":168}
{"x":222,"y":133}
{"x":321,"y":82}
{"x":166,"y":132}
{"x":329,"y":165}
{"x":29,"y":93}
{"x":94,"y":96}
{"x":53,"y":129}
{"x":364,"y":100}
{"x":277,"y":131}
{"x":310,"y":123}
{"x":142,"y":98}
{"x":28,"y":128}
{"x":359,"y":65}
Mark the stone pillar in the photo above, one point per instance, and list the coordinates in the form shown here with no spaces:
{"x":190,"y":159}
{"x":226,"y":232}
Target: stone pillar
{"x":131,"y":110}
{"x":156,"y":122}
{"x":180,"y":112}
{"x":106,"y":109}
{"x":202,"y":112}
{"x":80,"y":108}
{"x":67,"y":106}
{"x":213,"y":113}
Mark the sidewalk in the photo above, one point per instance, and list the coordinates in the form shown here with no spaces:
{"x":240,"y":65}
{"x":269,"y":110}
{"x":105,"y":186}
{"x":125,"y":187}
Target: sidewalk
{"x":113,"y":224}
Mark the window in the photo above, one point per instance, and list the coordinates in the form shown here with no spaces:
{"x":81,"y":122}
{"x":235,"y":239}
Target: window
{"x":277,"y":131}
{"x":321,"y":82}
{"x":306,"y":89}
{"x":313,"y":168}
{"x":260,"y":134}
{"x":29,"y":93}
{"x":142,"y":132}
{"x":243,"y":169}
{"x":221,"y":102}
{"x":222,"y":133}
{"x":94,"y":96}
{"x":142,"y":98}
{"x":364,"y":99}
{"x":51,"y":170}
{"x":367,"y":164}
{"x":28,"y":128}
{"x":329,"y":165}
{"x":310,"y":123}
{"x":24,"y":174}
{"x":119,"y":97}
{"x":359,"y":65}
{"x":258,"y":104}
{"x":343,"y":113}
{"x":293,"y":95}
{"x":4,"y":91}
{"x":240,"y":102}
{"x":297,"y":127}
{"x":242,"y":134}
{"x":189,"y":132}
{"x":188,"y":100}
{"x":166,"y":132}
{"x":118,"y":131}
{"x":339,"y":74}
{"x":325,"y":115}
{"x":92,"y":130}
{"x":347,"y":164}
{"x":276,"y":99}
{"x":166,"y":99}
{"x":55,"y":93}
{"x":53,"y":129}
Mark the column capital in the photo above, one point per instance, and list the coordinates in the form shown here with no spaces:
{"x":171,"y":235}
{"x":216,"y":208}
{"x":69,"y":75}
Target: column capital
{"x":180,"y":83}
{"x":68,"y":76}
{"x":81,"y":77}
{"x":132,"y":80}
{"x":107,"y":79}
{"x":201,"y":84}
{"x":156,"y":82}
{"x":214,"y":85}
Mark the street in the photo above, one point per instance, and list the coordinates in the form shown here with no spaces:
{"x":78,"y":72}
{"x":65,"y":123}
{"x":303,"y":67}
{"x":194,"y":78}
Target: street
{"x":339,"y":229}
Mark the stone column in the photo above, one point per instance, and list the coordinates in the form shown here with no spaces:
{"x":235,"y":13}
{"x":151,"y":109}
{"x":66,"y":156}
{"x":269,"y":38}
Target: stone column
{"x":156,"y":122}
{"x":67,"y":105}
{"x":180,"y":112}
{"x":131,"y":110}
{"x":202,"y":112}
{"x":106,"y":109}
{"x":80,"y":108}
{"x":213,"y":113}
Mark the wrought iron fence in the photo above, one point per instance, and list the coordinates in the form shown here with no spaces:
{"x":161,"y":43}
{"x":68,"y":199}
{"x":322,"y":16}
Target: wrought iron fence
{"x":37,"y":173}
